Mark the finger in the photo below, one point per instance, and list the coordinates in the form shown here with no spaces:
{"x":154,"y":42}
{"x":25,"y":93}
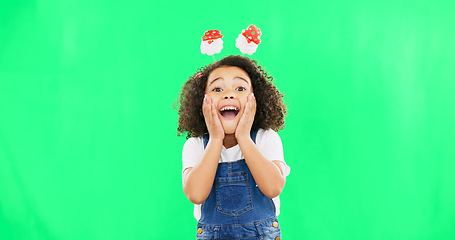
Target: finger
{"x":253,"y":103}
{"x":250,"y":108}
{"x":204,"y":106}
{"x":214,"y":113}
{"x":250,"y":104}
{"x":206,"y":109}
{"x":216,"y":122}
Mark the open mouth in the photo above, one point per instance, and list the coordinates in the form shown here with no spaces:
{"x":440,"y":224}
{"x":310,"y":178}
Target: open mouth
{"x":229,"y":112}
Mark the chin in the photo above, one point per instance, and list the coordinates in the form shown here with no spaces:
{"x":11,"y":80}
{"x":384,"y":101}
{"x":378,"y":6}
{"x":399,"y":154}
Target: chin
{"x":229,"y":133}
{"x":229,"y":128}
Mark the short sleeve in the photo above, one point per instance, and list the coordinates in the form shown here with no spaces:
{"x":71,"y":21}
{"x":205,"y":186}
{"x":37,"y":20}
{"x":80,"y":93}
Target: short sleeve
{"x":192,"y":152}
{"x":269,"y":143}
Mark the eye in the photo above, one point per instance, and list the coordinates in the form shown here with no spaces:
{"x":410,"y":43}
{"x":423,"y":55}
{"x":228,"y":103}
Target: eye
{"x":217,"y":89}
{"x":240,"y":89}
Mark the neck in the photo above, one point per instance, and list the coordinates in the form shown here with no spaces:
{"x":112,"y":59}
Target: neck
{"x":229,"y":141}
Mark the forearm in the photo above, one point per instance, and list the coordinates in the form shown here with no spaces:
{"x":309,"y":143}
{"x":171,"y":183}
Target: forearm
{"x":198,"y":181}
{"x":268,"y":175}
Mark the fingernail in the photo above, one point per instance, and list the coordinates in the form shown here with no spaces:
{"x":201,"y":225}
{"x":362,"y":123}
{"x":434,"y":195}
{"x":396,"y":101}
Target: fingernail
{"x":252,"y":94}
{"x":205,"y":97}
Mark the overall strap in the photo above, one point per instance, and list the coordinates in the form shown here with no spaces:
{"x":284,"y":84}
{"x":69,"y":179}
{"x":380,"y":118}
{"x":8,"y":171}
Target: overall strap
{"x":252,"y":135}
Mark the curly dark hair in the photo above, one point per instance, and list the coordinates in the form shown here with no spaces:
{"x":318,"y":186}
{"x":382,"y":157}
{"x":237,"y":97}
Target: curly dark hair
{"x":270,"y":109}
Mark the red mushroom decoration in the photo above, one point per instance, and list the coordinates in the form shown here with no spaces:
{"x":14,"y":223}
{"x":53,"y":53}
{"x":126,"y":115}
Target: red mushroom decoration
{"x":211,"y":35}
{"x":252,"y":34}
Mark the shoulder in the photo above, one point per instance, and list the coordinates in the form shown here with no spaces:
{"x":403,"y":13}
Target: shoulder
{"x":192,"y":152}
{"x":269,"y":143}
{"x":268,"y":135}
{"x":193,"y":146}
{"x":193,"y":142}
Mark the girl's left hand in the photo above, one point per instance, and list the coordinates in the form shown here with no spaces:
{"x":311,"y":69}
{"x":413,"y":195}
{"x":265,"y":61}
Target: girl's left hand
{"x":246,"y":121}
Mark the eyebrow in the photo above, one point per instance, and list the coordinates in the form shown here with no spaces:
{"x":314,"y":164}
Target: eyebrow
{"x":218,"y":78}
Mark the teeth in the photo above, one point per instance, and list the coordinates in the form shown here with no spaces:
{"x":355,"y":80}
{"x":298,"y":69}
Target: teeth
{"x":228,"y":108}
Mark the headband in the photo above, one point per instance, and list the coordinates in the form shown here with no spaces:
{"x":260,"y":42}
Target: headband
{"x":247,"y":41}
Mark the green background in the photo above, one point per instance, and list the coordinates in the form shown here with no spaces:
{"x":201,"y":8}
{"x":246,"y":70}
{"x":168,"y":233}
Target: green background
{"x":88,"y":145}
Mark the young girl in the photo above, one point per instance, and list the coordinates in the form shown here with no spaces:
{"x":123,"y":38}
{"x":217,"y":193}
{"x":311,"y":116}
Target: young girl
{"x":233,"y":165}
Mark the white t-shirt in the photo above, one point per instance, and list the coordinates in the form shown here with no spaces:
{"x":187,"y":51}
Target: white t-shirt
{"x":267,"y":141}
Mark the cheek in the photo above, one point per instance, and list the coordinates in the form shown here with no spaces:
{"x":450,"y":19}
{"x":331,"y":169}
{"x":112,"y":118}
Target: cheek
{"x":243,"y":102}
{"x":215,"y":97}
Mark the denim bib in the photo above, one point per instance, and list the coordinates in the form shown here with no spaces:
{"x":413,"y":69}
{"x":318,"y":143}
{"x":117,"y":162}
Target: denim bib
{"x":236,"y":208}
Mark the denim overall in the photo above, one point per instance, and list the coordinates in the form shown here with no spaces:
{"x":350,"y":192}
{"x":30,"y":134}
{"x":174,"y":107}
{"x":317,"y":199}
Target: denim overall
{"x":236,"y":208}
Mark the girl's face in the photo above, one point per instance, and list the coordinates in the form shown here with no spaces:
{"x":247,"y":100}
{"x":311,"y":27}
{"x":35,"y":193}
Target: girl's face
{"x":229,"y":88}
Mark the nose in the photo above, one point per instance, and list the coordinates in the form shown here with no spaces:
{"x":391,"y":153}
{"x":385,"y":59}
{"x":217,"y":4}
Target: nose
{"x":229,"y":95}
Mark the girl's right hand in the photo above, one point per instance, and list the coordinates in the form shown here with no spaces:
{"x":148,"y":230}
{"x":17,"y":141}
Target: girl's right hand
{"x":212,"y":120}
